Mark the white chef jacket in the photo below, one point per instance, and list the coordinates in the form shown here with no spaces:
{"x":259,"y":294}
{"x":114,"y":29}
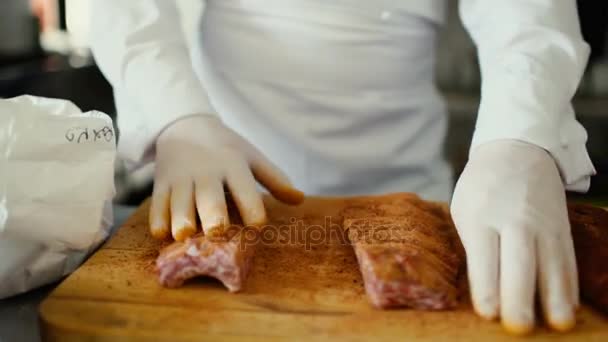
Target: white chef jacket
{"x":340,"y":94}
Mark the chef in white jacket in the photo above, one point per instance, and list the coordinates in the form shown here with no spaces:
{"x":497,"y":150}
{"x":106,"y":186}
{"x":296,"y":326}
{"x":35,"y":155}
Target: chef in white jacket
{"x":340,"y":96}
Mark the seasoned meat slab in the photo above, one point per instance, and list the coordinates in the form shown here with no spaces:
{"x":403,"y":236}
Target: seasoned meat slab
{"x":227,"y":259}
{"x":408,"y":251}
{"x":590,"y":234}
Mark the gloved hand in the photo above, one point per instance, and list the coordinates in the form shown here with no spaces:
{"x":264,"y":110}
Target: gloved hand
{"x":509,"y":207}
{"x":195,"y":158}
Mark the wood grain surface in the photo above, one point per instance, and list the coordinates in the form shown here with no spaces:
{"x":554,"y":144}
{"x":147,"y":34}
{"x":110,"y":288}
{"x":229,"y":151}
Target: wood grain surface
{"x":296,"y":291}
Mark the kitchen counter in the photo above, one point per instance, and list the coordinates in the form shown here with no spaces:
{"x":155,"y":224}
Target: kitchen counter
{"x":19,"y":315}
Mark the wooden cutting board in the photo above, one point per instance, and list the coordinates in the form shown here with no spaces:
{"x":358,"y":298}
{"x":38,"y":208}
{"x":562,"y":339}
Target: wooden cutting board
{"x":295,"y":292}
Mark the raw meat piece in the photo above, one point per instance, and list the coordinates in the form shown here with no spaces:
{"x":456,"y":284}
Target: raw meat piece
{"x":227,"y":259}
{"x":408,"y":251}
{"x":590,"y":234}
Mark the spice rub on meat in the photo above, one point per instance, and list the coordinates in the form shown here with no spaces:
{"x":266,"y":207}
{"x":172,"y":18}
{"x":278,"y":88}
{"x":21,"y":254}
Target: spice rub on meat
{"x":590,"y":234}
{"x":408,"y":251}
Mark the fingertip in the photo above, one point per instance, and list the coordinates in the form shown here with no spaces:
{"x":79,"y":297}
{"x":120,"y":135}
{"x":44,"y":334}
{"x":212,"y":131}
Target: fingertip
{"x":214,"y":232}
{"x":277,"y":183}
{"x":256,"y":218}
{"x":561,"y":319}
{"x":557,"y":285}
{"x":211,"y":206}
{"x":214,"y":227}
{"x":181,"y":234}
{"x":159,"y":215}
{"x":517,"y":281}
{"x":518,"y":329}
{"x":211,"y":224}
{"x":183,"y":211}
{"x":242,"y":185}
{"x":486,"y":308}
{"x":517,"y":321}
{"x":482,"y":261}
{"x":159,"y":233}
{"x":563,"y":326}
{"x":158,"y":224}
{"x":290,"y":196}
{"x":284,"y":192}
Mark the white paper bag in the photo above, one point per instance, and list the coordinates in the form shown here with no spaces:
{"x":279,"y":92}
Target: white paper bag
{"x":56,"y":187}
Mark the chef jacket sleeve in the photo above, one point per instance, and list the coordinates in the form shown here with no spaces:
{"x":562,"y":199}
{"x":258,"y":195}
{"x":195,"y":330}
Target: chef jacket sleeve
{"x":141,"y":49}
{"x":532,"y":57}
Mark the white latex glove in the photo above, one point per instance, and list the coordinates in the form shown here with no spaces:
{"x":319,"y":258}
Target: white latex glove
{"x":509,"y":207}
{"x":195,"y":158}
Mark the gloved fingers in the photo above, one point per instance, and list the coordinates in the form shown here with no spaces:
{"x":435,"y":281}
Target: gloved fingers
{"x":211,"y":204}
{"x":568,"y":248}
{"x":517,"y":280}
{"x":482,"y":263}
{"x":183,"y":219}
{"x":554,"y":283}
{"x":159,"y":214}
{"x":243,"y":187}
{"x":273,"y":179}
